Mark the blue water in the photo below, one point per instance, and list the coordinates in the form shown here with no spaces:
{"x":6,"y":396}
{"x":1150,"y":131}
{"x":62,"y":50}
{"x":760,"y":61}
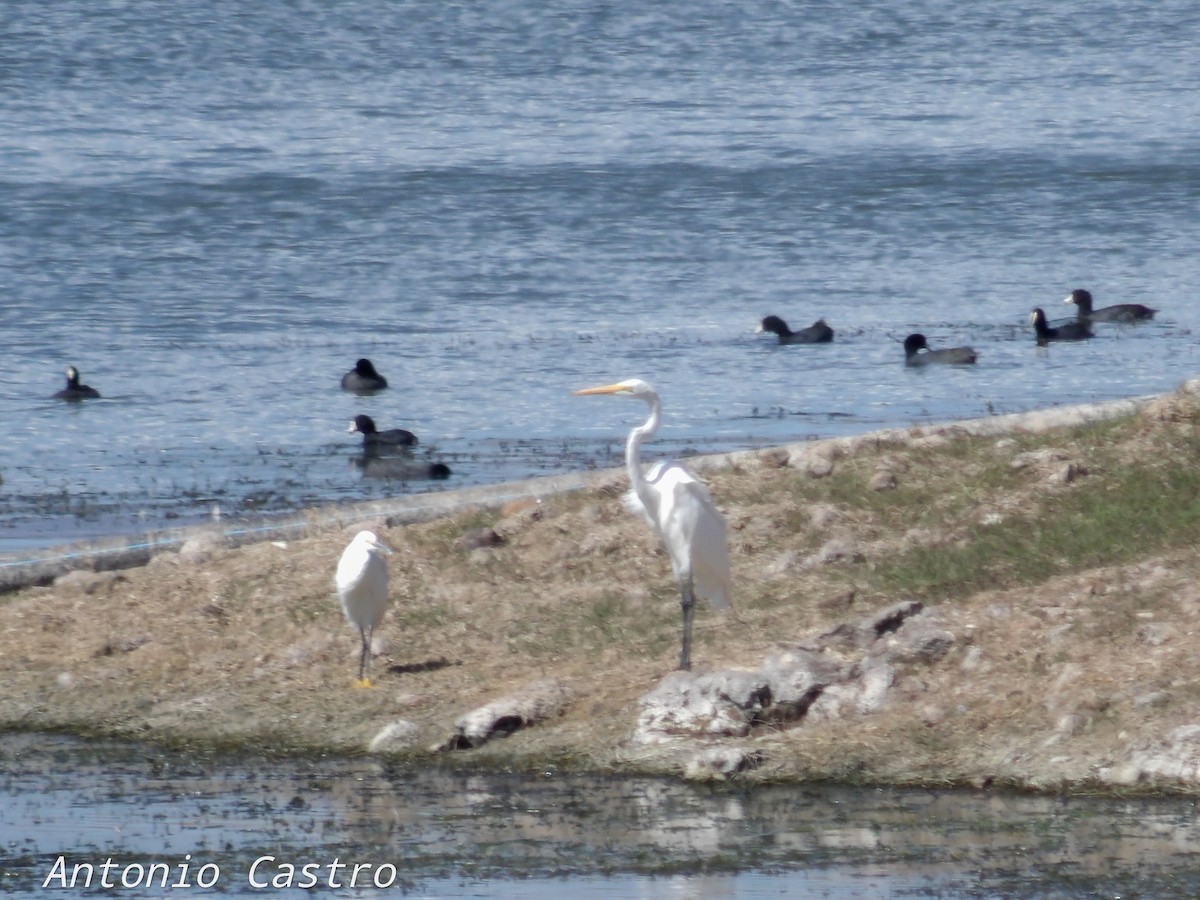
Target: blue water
{"x":213,"y":208}
{"x":236,"y":823}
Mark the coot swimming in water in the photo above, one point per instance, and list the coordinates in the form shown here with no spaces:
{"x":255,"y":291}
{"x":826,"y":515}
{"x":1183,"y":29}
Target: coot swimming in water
{"x":363,"y":379}
{"x":1070,"y":331}
{"x":74,"y":390}
{"x":374,"y":439}
{"x":816,"y":333}
{"x":915,"y":343}
{"x":1120,"y":312}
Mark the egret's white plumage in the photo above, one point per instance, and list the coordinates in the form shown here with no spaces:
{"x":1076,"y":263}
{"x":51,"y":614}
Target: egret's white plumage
{"x":362,"y":587}
{"x":681,"y":511}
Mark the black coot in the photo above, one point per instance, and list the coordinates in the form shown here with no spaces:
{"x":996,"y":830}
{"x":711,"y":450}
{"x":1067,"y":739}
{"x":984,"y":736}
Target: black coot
{"x":363,"y":379}
{"x":915,"y":343}
{"x":816,"y":333}
{"x":74,"y":390}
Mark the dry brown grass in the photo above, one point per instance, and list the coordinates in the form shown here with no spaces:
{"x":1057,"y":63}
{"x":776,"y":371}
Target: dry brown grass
{"x":248,"y":646}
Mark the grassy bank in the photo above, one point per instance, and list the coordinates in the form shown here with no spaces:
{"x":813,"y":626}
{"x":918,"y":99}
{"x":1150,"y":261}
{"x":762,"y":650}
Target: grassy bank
{"x":1062,"y":562}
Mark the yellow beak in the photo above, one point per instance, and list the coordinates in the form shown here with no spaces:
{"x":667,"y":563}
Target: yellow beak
{"x":603,"y":389}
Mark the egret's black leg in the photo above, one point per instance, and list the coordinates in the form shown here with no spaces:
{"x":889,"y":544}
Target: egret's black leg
{"x":688,"y":602}
{"x":362,"y":660}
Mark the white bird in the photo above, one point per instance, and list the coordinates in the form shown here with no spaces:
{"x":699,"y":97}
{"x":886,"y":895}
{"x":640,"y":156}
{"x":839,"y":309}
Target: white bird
{"x":681,"y":511}
{"x":362,"y":586}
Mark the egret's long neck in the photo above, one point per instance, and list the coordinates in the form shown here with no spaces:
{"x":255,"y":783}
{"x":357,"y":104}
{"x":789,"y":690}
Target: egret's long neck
{"x":633,"y":446}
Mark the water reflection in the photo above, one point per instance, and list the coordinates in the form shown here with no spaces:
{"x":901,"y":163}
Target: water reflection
{"x":399,"y":467}
{"x":66,"y":803}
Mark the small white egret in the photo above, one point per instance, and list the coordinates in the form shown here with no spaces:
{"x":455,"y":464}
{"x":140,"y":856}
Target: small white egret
{"x":362,"y":586}
{"x":681,"y":511}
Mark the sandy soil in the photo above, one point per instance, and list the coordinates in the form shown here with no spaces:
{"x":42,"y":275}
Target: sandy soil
{"x":1087,"y":679}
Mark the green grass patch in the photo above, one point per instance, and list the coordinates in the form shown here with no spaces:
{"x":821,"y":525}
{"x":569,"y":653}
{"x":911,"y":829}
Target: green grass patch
{"x":607,"y":618}
{"x":1146,"y":507}
{"x":448,"y":532}
{"x":596,"y":624}
{"x":425,"y":615}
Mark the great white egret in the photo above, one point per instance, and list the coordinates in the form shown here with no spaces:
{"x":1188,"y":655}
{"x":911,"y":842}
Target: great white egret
{"x":363,"y":379}
{"x":915,"y":343}
{"x":816,"y":333}
{"x":375,"y":440}
{"x":1120,"y":312}
{"x":74,"y":390}
{"x":1070,"y":331}
{"x":681,"y":511}
{"x":362,"y":587}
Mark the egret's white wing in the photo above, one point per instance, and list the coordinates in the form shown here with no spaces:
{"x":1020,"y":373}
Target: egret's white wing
{"x":362,"y":585}
{"x":692,"y":528}
{"x":352,"y":567}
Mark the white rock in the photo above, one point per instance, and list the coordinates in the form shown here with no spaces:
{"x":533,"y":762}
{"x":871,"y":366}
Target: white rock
{"x":395,"y":736}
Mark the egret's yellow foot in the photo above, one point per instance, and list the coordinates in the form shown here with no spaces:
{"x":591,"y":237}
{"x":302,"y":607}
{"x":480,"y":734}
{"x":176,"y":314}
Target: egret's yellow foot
{"x":363,"y":683}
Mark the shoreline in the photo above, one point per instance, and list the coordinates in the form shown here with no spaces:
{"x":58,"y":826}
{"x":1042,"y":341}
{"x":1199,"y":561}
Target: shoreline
{"x":23,"y":568}
{"x":535,"y":624}
{"x":40,"y":565}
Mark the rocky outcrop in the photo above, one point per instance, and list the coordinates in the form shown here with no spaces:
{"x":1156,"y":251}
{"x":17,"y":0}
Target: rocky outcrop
{"x":850,"y":670}
{"x":721,"y":763}
{"x":847,"y":671}
{"x":719,"y":704}
{"x":1177,"y":759}
{"x":395,"y":737}
{"x":536,"y":703}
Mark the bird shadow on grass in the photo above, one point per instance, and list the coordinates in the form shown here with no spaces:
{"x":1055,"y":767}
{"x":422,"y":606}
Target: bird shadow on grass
{"x":429,"y":665}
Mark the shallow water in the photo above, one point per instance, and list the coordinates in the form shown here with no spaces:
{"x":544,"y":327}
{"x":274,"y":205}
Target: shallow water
{"x":211,"y":819}
{"x":214,"y":209}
